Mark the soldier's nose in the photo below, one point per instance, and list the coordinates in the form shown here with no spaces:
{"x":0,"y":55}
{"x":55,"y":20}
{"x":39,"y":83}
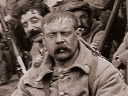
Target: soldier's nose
{"x":59,"y":39}
{"x":79,"y":22}
{"x":31,"y":26}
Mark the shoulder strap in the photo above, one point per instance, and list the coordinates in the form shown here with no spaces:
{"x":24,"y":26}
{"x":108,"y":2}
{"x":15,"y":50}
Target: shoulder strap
{"x":92,"y":75}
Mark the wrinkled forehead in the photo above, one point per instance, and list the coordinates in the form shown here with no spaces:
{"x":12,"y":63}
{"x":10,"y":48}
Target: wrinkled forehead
{"x":59,"y":25}
{"x":60,"y":21}
{"x":29,"y":14}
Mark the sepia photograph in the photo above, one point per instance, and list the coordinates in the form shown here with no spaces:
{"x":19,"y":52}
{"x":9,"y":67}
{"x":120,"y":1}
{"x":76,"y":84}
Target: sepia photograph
{"x":63,"y":47}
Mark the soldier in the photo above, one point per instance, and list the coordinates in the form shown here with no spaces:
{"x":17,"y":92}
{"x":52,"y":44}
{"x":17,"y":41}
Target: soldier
{"x":30,"y":16}
{"x":70,"y":68}
{"x":3,"y":69}
{"x":25,"y":40}
{"x":92,"y":29}
{"x":7,"y":62}
{"x":7,"y":66}
{"x":120,"y":57}
{"x":114,"y":10}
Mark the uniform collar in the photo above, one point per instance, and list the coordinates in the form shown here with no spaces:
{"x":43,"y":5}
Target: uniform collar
{"x":83,"y":59}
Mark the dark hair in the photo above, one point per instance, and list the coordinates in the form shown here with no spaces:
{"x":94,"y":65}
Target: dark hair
{"x":42,"y":8}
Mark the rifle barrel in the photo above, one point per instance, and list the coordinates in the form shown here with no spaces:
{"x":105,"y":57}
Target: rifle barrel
{"x":109,"y":23}
{"x":13,"y":47}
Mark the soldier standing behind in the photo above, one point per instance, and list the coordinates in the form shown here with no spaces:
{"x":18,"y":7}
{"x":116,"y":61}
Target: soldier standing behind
{"x":7,"y":66}
{"x":7,"y":62}
{"x":30,"y":16}
{"x":91,"y":29}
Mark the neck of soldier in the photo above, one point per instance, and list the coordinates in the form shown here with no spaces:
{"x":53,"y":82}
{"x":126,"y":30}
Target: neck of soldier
{"x":63,"y":65}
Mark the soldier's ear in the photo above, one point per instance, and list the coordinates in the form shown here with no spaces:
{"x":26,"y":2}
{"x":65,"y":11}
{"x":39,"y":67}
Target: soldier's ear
{"x":79,"y":32}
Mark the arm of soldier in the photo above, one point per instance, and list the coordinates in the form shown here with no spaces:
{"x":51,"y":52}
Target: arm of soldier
{"x":120,"y":50}
{"x":110,"y":83}
{"x":118,"y":55}
{"x":97,"y":39}
{"x":123,"y":57}
{"x":123,"y":47}
{"x":21,"y":91}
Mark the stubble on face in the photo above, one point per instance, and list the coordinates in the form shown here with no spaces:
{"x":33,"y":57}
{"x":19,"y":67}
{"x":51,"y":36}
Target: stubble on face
{"x":63,"y":51}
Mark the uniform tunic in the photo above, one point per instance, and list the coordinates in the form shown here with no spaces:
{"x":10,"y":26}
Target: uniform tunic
{"x":72,"y":81}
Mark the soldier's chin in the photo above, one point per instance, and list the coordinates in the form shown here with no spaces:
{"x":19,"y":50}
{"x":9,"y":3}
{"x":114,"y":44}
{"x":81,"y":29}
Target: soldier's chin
{"x":36,"y":38}
{"x":63,"y":57}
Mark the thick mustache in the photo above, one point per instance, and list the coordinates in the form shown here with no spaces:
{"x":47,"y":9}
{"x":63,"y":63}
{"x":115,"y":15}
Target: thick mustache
{"x":34,"y":33}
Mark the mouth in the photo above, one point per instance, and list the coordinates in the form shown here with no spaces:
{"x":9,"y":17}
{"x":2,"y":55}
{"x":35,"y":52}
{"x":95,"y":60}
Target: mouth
{"x":61,"y":50}
{"x":81,"y":29}
{"x":62,"y":54}
{"x":84,"y":30}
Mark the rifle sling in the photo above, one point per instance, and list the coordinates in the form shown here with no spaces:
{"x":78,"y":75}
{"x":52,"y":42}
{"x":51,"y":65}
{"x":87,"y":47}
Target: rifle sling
{"x":92,"y":75}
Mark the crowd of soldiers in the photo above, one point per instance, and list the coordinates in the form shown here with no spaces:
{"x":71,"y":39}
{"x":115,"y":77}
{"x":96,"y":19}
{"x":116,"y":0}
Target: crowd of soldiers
{"x":102,"y":23}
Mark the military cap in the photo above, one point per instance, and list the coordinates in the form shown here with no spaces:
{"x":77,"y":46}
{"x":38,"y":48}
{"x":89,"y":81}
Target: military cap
{"x":101,"y":4}
{"x":59,"y":3}
{"x":72,"y":5}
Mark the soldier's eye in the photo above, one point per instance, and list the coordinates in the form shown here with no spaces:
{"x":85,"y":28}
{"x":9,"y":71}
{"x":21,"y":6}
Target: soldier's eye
{"x":25,"y":24}
{"x":34,"y":20}
{"x":53,"y":34}
{"x":66,"y":33}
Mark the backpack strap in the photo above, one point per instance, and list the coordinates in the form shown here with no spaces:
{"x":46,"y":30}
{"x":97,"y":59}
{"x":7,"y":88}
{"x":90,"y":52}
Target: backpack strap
{"x":92,"y":75}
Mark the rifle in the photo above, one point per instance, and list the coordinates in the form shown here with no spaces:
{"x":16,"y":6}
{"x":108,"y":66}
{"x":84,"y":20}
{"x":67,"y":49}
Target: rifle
{"x":12,"y":46}
{"x":108,"y":26}
{"x":93,"y":50}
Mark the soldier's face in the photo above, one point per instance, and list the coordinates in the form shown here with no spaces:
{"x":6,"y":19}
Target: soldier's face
{"x":61,"y":39}
{"x":83,"y":19}
{"x":32,"y":22}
